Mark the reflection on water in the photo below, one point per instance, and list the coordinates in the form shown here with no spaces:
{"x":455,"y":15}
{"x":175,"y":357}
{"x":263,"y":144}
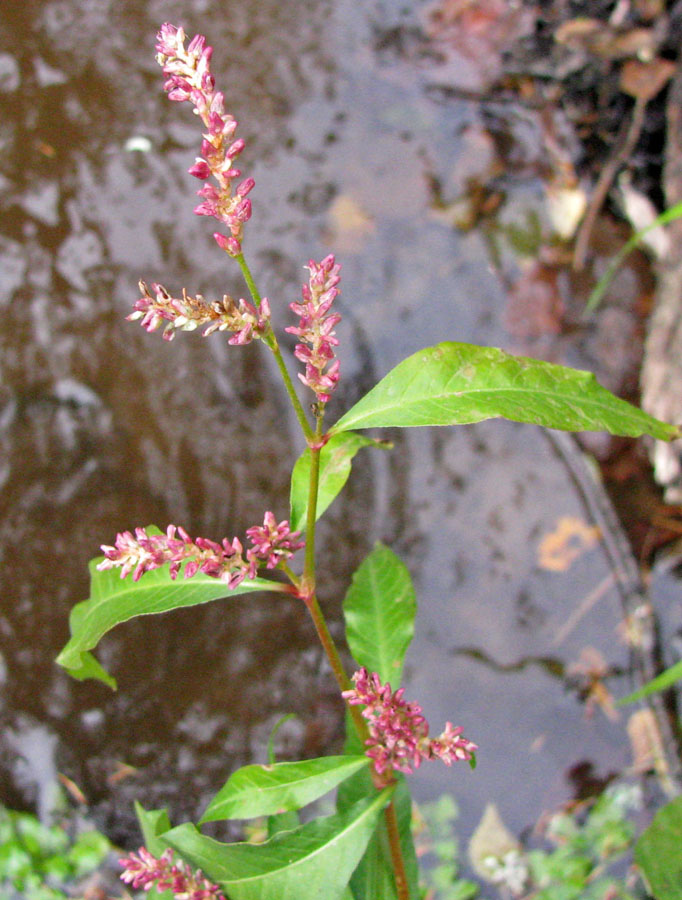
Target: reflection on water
{"x":103,"y":426}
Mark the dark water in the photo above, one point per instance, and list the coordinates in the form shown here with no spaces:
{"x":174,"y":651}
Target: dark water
{"x":358,"y":142}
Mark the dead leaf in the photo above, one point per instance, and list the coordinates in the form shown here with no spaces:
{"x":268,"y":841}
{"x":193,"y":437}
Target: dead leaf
{"x":577,"y":32}
{"x":589,"y":674}
{"x":559,"y":549}
{"x":602,"y":40}
{"x":121,"y":771}
{"x":636,"y":630}
{"x":646,"y":742}
{"x":534,"y":304}
{"x":491,"y":838}
{"x":72,"y":789}
{"x":350,"y":224}
{"x":637,"y":42}
{"x":643,"y":80}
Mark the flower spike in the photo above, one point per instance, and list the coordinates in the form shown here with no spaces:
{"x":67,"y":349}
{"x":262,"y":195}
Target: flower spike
{"x":316,"y":328}
{"x":143,"y":552}
{"x":398,"y":732}
{"x":142,"y":870}
{"x":188,"y":313}
{"x":188,"y":77}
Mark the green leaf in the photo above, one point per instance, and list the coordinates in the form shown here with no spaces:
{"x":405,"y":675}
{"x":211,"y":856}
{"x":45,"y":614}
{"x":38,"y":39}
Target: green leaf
{"x":657,"y":852}
{"x":379,"y":609}
{"x":374,"y":876}
{"x":265,"y":790}
{"x":286,"y":821}
{"x":86,"y":666}
{"x":660,"y":683}
{"x":271,"y":740}
{"x":114,"y":600}
{"x":314,"y":861}
{"x":453,"y":383}
{"x":595,"y":298}
{"x":335,"y":464}
{"x":153,"y":822}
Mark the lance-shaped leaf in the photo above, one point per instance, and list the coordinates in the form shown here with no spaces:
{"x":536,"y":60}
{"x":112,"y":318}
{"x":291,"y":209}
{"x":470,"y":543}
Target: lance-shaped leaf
{"x":314,"y":861}
{"x":114,"y":600}
{"x":265,"y":790}
{"x":336,"y":458}
{"x":374,"y":876}
{"x":454,"y":383}
{"x":379,"y":609}
{"x":154,"y":822}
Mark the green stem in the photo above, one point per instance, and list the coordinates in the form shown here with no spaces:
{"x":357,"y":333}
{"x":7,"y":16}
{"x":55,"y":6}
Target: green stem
{"x":335,"y":662}
{"x":248,"y":278}
{"x":399,"y":873}
{"x":291,"y":575}
{"x":271,"y":340}
{"x":295,"y":402}
{"x":308,"y":581}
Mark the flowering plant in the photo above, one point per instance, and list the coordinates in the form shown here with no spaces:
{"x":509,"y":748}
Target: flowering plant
{"x":365,"y":849}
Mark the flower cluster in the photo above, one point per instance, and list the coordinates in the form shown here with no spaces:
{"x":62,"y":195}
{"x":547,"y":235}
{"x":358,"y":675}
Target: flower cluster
{"x":187,"y":313}
{"x":142,"y":870}
{"x":316,"y":328}
{"x":188,"y":77}
{"x":142,"y":552}
{"x":399,"y":733}
{"x":273,"y":541}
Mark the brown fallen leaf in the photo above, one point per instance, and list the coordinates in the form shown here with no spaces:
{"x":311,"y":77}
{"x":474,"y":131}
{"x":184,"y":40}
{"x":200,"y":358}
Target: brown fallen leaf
{"x":72,"y":789}
{"x":643,"y":80}
{"x":589,"y":673}
{"x":559,"y":549}
{"x":349,"y":224}
{"x":491,"y":840}
{"x":646,"y":743}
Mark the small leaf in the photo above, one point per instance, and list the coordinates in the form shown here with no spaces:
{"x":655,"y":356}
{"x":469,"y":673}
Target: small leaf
{"x":86,"y":666}
{"x":379,"y":609}
{"x":265,"y":790}
{"x":595,"y":298}
{"x":153,"y":823}
{"x":660,"y":683}
{"x":335,"y":464}
{"x":454,"y":383}
{"x":657,"y":852}
{"x":114,"y":600}
{"x":314,"y":861}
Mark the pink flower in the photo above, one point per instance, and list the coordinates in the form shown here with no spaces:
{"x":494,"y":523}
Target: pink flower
{"x":273,"y":542}
{"x":399,"y":733}
{"x":188,"y":77}
{"x":142,"y":552}
{"x":142,"y":870}
{"x":188,"y":313}
{"x":316,"y":328}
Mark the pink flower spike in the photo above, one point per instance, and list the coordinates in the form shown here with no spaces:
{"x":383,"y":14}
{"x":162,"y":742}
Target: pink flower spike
{"x":274,"y":542}
{"x":142,"y":870}
{"x":145,"y":552}
{"x":399,"y":733}
{"x":316,"y":328}
{"x":188,"y":77}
